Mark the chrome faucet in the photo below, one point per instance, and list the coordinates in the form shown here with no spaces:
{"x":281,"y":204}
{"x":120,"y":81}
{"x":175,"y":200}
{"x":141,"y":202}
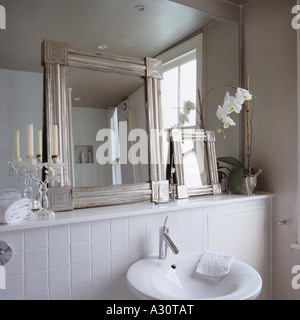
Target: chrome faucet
{"x":165,"y":242}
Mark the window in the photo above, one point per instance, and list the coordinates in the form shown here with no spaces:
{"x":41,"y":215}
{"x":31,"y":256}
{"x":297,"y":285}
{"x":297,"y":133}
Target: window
{"x":181,"y":76}
{"x":179,"y":85}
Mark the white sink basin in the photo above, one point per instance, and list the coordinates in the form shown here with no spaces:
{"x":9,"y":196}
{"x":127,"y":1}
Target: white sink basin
{"x":175,"y":279}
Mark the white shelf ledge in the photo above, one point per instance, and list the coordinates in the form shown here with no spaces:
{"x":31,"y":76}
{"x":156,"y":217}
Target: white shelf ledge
{"x":127,"y":210}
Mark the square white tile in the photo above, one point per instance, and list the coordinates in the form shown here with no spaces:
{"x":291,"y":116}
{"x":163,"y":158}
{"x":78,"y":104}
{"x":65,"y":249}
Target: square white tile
{"x":59,"y":256}
{"x":100,"y":248}
{"x":183,"y":234}
{"x":153,"y":221}
{"x":35,"y":238}
{"x":136,"y":242}
{"x":81,"y":272}
{"x":102,"y":289}
{"x":36,"y":282}
{"x":152,"y":239}
{"x":82,"y":292}
{"x":59,"y":235}
{"x":59,"y":278}
{"x":80,"y":232}
{"x":36,"y":260}
{"x":80,"y":251}
{"x":136,"y":224}
{"x":182,"y":217}
{"x":100,"y":269}
{"x":119,"y":226}
{"x":119,"y":264}
{"x":100,"y":229}
{"x":119,"y":245}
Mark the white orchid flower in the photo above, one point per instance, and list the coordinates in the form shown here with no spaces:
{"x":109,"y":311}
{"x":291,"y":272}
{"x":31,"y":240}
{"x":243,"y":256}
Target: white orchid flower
{"x":228,"y":122}
{"x":221,"y":113}
{"x":188,"y":106}
{"x":183,"y":118}
{"x":243,"y":95}
{"x":231,"y":104}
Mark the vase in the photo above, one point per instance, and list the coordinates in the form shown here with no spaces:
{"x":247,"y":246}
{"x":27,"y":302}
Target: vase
{"x":249,"y":184}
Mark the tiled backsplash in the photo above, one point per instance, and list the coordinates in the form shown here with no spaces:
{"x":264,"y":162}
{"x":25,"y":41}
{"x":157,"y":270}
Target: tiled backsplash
{"x":89,"y":260}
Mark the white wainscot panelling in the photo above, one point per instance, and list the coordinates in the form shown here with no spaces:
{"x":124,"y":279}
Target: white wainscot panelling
{"x":243,"y":232}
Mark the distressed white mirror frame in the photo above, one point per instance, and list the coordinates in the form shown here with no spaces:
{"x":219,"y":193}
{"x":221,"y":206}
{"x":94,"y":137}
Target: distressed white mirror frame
{"x":57,"y":56}
{"x":209,"y":139}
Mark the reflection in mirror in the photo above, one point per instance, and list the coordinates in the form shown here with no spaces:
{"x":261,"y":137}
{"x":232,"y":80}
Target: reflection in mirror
{"x":105,"y":108}
{"x":205,"y":63}
{"x":194,"y":160}
{"x":178,"y":86}
{"x":21,"y":102}
{"x":196,"y":73}
{"x":127,"y":32}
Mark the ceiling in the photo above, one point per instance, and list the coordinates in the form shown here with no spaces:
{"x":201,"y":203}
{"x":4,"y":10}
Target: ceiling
{"x":88,"y":24}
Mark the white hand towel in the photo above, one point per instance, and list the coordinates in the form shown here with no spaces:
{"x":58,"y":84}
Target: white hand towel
{"x":214,"y":265}
{"x":10,"y":193}
{"x":14,"y":210}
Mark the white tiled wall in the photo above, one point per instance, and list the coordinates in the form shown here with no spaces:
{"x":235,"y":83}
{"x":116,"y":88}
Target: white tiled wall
{"x":89,"y":260}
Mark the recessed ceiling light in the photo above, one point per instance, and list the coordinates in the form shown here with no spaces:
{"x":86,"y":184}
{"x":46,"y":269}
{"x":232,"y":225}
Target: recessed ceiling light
{"x":102,"y":46}
{"x":141,"y":8}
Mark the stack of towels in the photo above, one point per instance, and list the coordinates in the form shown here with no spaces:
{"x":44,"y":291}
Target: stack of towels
{"x":12,"y":207}
{"x":214,"y":265}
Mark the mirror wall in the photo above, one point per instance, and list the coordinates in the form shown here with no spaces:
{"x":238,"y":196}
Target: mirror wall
{"x":131,"y":33}
{"x":102,"y":101}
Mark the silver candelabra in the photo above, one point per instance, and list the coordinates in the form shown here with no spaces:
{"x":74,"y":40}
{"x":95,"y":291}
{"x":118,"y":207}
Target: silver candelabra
{"x":34,"y":171}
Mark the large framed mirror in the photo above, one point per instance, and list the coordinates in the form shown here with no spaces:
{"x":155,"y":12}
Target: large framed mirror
{"x":87,"y":180}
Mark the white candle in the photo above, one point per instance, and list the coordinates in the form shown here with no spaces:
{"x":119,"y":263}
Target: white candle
{"x":29,"y":140}
{"x":17,"y":144}
{"x":54,"y":140}
{"x":39,"y":142}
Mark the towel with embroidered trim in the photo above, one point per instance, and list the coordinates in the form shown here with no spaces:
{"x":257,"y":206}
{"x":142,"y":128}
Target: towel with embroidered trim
{"x":14,"y":210}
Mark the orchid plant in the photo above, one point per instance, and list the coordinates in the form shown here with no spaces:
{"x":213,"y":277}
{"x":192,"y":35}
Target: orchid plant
{"x":188,"y":106}
{"x":230,"y":105}
{"x":237,"y":171}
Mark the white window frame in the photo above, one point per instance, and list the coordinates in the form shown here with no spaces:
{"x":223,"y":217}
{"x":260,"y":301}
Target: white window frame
{"x":195,"y":43}
{"x":177,"y":63}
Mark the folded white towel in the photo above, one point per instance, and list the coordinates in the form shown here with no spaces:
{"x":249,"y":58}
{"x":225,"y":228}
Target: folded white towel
{"x":10,"y":193}
{"x":214,"y":265}
{"x":14,"y":210}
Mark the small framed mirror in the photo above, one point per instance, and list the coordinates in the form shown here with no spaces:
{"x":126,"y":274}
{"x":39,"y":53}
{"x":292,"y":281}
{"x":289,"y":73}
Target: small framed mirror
{"x":195,"y":162}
